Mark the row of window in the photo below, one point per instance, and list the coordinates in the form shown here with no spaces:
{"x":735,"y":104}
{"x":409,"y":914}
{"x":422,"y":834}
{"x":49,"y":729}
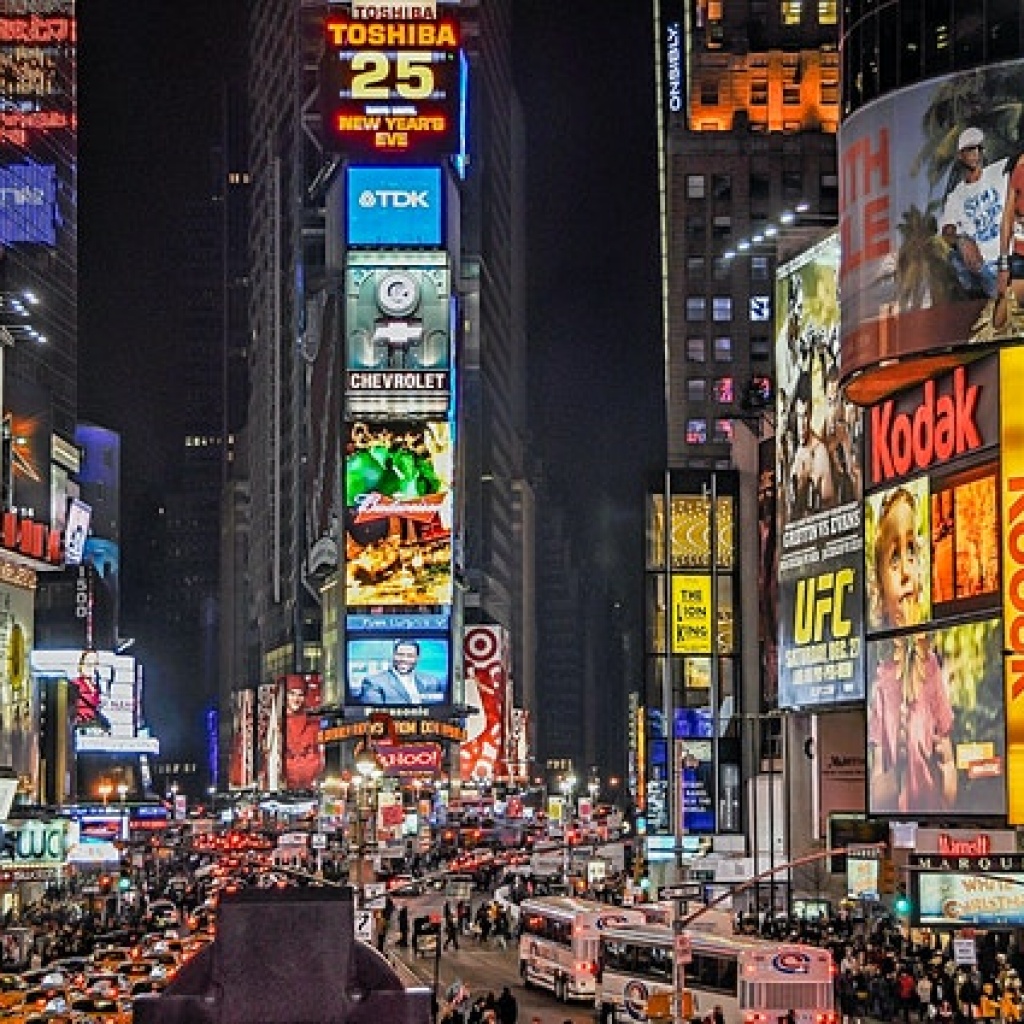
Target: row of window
{"x":710,"y":94}
{"x":722,"y":390}
{"x":721,"y":347}
{"x":719,"y":186}
{"x":759,"y":308}
{"x":697,"y":431}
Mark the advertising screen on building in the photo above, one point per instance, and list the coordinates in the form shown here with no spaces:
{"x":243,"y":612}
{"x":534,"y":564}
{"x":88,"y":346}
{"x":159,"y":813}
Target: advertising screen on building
{"x":394,"y":206}
{"x":409,"y":670}
{"x":398,"y":334}
{"x":391,"y":89}
{"x":243,"y":739}
{"x":926,"y":173}
{"x":19,"y":705}
{"x":398,"y":513}
{"x":105,"y":689}
{"x":819,"y":487}
{"x":487,"y":661}
{"x":37,"y":66}
{"x":936,"y":730}
{"x":270,"y":736}
{"x":1012,"y":488}
{"x":303,"y":751}
{"x":986,"y":898}
{"x":28,"y":204}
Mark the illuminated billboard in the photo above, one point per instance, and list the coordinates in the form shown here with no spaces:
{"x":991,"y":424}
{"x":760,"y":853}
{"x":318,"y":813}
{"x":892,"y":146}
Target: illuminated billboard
{"x":391,"y":89}
{"x":243,"y":739}
{"x":925,"y":176}
{"x":1012,"y":488}
{"x":398,"y":333}
{"x":818,"y":492}
{"x":404,"y":670}
{"x":979,"y":891}
{"x":270,"y":736}
{"x":487,"y":660}
{"x":398,"y":513}
{"x":394,"y":206}
{"x":37,"y":66}
{"x":303,"y":751}
{"x":936,"y":728}
{"x":105,"y":692}
{"x":19,"y":705}
{"x":28,"y":204}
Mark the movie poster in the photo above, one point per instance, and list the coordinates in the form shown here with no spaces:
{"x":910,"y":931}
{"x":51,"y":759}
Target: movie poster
{"x":303,"y":752}
{"x":819,"y":489}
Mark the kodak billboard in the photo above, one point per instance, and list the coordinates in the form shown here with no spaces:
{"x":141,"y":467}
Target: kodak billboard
{"x":1012,"y":486}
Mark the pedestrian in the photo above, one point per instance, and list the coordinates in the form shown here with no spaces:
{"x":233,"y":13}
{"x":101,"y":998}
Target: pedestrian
{"x":403,"y":926}
{"x":507,"y":1007}
{"x":451,"y":933}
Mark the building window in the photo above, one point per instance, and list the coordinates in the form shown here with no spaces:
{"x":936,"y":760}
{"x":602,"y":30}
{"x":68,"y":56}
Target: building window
{"x":695,"y":308}
{"x":830,"y":93}
{"x":827,"y":13}
{"x":792,"y":184}
{"x":696,"y":389}
{"x":723,"y":350}
{"x":709,"y":92}
{"x":695,"y":227}
{"x":758,"y":268}
{"x":791,"y":95}
{"x":722,"y":268}
{"x":721,"y":186}
{"x":760,"y":347}
{"x":696,"y":350}
{"x":759,"y":93}
{"x":721,"y":308}
{"x":723,"y":431}
{"x":760,"y":187}
{"x":697,"y":431}
{"x":721,"y":226}
{"x":695,"y":266}
{"x":695,"y":186}
{"x":725,"y":392}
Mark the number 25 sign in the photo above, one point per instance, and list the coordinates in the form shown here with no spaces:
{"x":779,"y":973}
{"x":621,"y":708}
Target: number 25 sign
{"x":391,"y":88}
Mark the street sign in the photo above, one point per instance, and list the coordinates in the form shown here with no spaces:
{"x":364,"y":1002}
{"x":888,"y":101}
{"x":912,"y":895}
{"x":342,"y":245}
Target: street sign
{"x":965,"y":952}
{"x":374,"y":895}
{"x":685,"y":891}
{"x":364,"y":925}
{"x":683,"y":948}
{"x":319,"y":840}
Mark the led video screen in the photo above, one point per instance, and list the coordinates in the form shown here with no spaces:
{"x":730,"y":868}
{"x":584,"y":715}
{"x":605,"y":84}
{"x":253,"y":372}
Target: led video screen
{"x":403,"y":670}
{"x":936,"y":723}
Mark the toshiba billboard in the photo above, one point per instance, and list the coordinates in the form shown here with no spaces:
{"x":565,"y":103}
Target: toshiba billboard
{"x":926,"y":174}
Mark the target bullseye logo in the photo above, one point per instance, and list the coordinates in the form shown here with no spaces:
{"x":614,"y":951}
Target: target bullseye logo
{"x":634,"y":999}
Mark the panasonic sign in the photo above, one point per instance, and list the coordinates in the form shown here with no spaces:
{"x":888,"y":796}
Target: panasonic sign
{"x":394,"y":206}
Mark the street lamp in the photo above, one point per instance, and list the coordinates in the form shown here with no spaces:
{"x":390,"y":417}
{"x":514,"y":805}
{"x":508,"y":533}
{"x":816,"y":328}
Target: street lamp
{"x":105,"y":789}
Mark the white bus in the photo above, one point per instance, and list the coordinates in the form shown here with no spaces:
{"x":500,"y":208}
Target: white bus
{"x":755,"y":982}
{"x":559,"y":939}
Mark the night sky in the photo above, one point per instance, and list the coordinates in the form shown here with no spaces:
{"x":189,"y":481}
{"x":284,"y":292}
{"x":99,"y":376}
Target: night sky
{"x":148,"y":108}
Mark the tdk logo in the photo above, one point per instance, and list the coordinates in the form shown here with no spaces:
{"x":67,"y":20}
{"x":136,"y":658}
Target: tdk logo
{"x":394,"y":199}
{"x":395,"y":206}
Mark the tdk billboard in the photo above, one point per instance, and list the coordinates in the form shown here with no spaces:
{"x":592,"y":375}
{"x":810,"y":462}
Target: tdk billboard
{"x":28,"y":204}
{"x":393,"y":205}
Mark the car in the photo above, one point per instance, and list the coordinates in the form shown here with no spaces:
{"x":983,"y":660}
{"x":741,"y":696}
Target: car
{"x":101,"y":1011}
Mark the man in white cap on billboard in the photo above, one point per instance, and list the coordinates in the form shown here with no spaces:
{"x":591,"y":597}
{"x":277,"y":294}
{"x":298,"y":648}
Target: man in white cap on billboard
{"x":972,"y":216}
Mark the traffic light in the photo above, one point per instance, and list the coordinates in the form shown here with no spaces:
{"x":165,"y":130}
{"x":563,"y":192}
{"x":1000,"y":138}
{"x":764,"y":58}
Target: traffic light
{"x":902,"y":904}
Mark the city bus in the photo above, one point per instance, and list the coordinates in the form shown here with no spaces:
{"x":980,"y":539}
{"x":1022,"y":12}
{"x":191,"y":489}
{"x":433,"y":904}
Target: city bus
{"x":754,"y":982}
{"x":559,"y":941}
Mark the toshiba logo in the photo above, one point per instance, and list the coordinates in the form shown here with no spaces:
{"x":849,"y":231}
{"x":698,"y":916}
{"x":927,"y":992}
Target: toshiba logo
{"x":394,"y":199}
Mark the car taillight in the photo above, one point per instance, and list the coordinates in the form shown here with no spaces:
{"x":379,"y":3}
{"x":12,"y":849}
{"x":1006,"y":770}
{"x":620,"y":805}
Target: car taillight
{"x":754,"y":1018}
{"x":586,"y":967}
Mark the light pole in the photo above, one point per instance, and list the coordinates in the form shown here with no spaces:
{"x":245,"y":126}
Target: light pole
{"x":370,"y":771}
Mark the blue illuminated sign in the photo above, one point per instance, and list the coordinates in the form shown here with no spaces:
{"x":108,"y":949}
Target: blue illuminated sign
{"x":394,"y":205}
{"x":28,"y":204}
